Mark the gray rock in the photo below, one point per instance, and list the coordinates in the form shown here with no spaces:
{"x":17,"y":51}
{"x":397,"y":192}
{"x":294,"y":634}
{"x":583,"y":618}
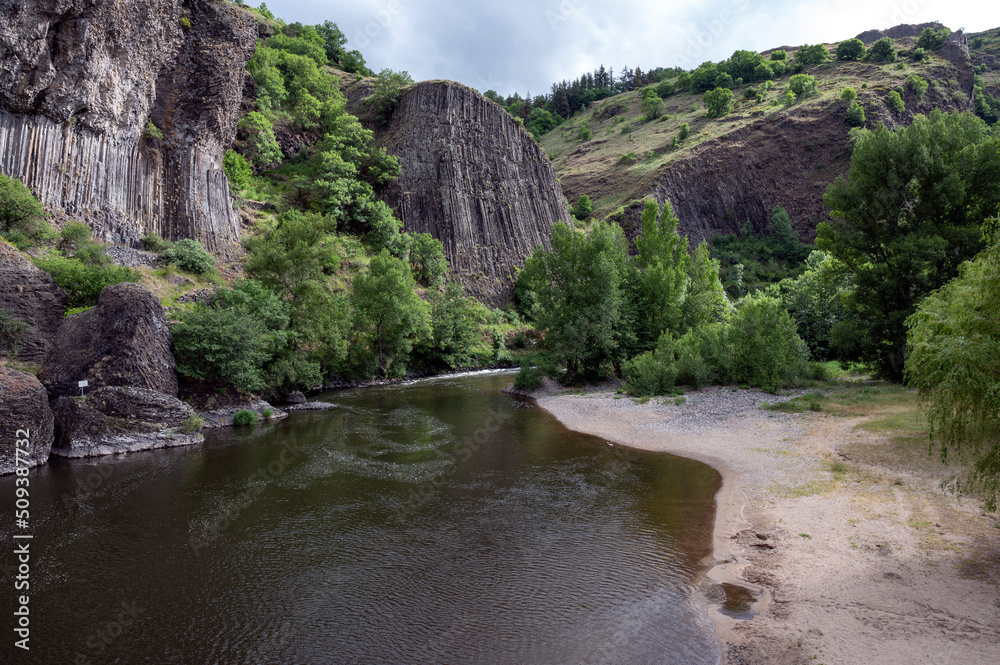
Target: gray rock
{"x":296,"y":397}
{"x":310,"y":406}
{"x":123,"y":341}
{"x":223,"y":416}
{"x":80,"y":80}
{"x":476,"y":180}
{"x":114,"y":420}
{"x":33,"y":296}
{"x":24,"y":405}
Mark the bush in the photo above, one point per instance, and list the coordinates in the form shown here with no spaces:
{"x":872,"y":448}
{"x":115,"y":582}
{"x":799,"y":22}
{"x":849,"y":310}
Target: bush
{"x":652,"y":108}
{"x":932,"y":39}
{"x":238,"y":171}
{"x":386,"y":93}
{"x":190,"y":256}
{"x":683,"y":132}
{"x":584,"y":133}
{"x":761,"y":345}
{"x":895,"y":102}
{"x":192,"y":424}
{"x":803,"y":85}
{"x":245,"y":417}
{"x":918,"y":54}
{"x":848,"y":94}
{"x":856,"y":115}
{"x":852,"y":49}
{"x":528,"y":378}
{"x":651,"y":373}
{"x":882,"y":50}
{"x":779,"y":54}
{"x":917,"y":85}
{"x":665,"y":89}
{"x":789,"y":98}
{"x":811,"y":55}
{"x":427,"y":260}
{"x":222,"y":345}
{"x":750,"y":92}
{"x":12,"y":329}
{"x":583,"y":208}
{"x":261,"y":147}
{"x":718,"y":101}
{"x":20,"y":212}
{"x":151,"y":131}
{"x":83,"y":283}
{"x":151,"y":242}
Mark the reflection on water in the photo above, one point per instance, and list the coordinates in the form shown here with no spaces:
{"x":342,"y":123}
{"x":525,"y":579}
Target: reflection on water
{"x":438,"y":521}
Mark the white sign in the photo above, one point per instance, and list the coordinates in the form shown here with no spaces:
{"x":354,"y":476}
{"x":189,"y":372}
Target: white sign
{"x":84,"y":383}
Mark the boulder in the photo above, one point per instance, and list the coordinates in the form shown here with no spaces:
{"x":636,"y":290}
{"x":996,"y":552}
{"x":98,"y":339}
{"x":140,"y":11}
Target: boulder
{"x":123,"y":341}
{"x":24,"y":405}
{"x":113,"y":420}
{"x":33,"y":296}
{"x":296,"y":397}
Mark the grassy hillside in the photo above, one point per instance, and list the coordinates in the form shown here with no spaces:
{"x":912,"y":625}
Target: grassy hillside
{"x":625,"y":156}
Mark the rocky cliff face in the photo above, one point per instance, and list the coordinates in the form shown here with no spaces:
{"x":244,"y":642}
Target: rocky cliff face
{"x":33,"y":296}
{"x":123,"y":341}
{"x":474,"y":179}
{"x":24,"y":411}
{"x":80,"y":79}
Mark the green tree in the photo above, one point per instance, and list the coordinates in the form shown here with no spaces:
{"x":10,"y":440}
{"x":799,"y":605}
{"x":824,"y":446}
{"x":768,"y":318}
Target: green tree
{"x":261,"y":147}
{"x":719,"y":102}
{"x":662,"y":259}
{"x":761,"y":345}
{"x":848,"y":94}
{"x":386,"y":93}
{"x":954,"y":361}
{"x":224,"y":345}
{"x":578,"y":296}
{"x":882,"y":50}
{"x":455,"y":329}
{"x":811,"y":55}
{"x":190,"y":256}
{"x":237,"y":170}
{"x":856,"y":115}
{"x":83,"y":282}
{"x":895,"y":102}
{"x":427,"y":259}
{"x":389,"y":316}
{"x":583,"y":208}
{"x":706,"y":300}
{"x":20,"y":212}
{"x":917,"y":85}
{"x":932,"y":38}
{"x":908,"y":213}
{"x":333,"y":40}
{"x":683,"y":132}
{"x":778,"y":54}
{"x":852,"y":49}
{"x":803,"y":85}
{"x":816,"y":301}
{"x":652,"y":108}
{"x":584,"y":132}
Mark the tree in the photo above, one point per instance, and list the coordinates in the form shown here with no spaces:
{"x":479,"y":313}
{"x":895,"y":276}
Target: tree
{"x":261,"y":147}
{"x":333,"y":40}
{"x":917,"y":85}
{"x":932,"y":38}
{"x":455,"y":330}
{"x":20,"y":211}
{"x":719,"y":102}
{"x":706,"y":300}
{"x":803,"y":85}
{"x":856,"y":115}
{"x":852,"y":49}
{"x":578,"y":296}
{"x":237,"y":170}
{"x":427,"y":259}
{"x":848,"y":94}
{"x":652,"y":108}
{"x":222,"y":345}
{"x":811,"y":55}
{"x":389,"y":316}
{"x":895,"y":102}
{"x":882,"y":49}
{"x":815,"y":301}
{"x":386,"y":93}
{"x":583,"y":207}
{"x":954,"y":361}
{"x":662,"y":259}
{"x":907,"y":215}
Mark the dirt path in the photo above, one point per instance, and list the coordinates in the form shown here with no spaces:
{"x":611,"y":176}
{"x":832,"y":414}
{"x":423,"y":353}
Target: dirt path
{"x":854,"y":562}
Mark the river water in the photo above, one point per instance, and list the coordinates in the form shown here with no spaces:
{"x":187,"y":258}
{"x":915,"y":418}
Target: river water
{"x":439,"y":521}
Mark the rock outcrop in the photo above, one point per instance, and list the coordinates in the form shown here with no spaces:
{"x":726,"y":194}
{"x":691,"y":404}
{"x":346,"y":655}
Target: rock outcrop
{"x":31,"y":295}
{"x":474,"y":179}
{"x":123,"y":341}
{"x":80,"y":80}
{"x":25,"y":414}
{"x":114,"y":420}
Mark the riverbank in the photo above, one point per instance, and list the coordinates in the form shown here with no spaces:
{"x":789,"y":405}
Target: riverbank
{"x":857,"y":554}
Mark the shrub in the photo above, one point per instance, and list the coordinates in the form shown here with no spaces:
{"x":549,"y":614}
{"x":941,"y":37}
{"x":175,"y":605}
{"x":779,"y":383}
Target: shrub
{"x":882,"y":50}
{"x":750,"y":92}
{"x":427,"y":260}
{"x":761,"y":345}
{"x":683,"y":132}
{"x":895,"y":102}
{"x":852,"y":49}
{"x":245,"y":417}
{"x":779,"y":54}
{"x":665,"y":89}
{"x":811,"y":55}
{"x":81,"y":282}
{"x":386,"y":93}
{"x":932,"y":39}
{"x":151,"y":242}
{"x":584,"y":132}
{"x":261,"y":147}
{"x":848,"y":94}
{"x":918,"y":54}
{"x":917,"y":85}
{"x":627,"y":158}
{"x":192,"y":424}
{"x":222,"y":345}
{"x":73,"y":236}
{"x":803,"y":85}
{"x":718,"y":101}
{"x":20,"y":212}
{"x":724,"y":80}
{"x":652,"y":108}
{"x":528,"y":378}
{"x":583,"y":208}
{"x":856,"y":115}
{"x":238,"y":171}
{"x":190,"y":256}
{"x":268,"y":414}
{"x":12,"y":329}
{"x":185,"y":23}
{"x":652,"y":372}
{"x":788,"y":99}
{"x":151,"y":131}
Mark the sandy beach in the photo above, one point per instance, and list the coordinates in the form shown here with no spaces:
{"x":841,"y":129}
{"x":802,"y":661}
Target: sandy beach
{"x":854,"y":560}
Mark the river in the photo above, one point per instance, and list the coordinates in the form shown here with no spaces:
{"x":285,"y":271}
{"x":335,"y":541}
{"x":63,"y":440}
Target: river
{"x":437,"y":521}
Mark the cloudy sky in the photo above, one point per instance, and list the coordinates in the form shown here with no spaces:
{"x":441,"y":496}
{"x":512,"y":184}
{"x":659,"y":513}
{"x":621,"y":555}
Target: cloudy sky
{"x":526,"y":45}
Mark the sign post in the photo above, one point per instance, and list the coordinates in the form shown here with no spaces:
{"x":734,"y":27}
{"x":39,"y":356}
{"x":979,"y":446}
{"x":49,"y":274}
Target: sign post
{"x":83,"y":384}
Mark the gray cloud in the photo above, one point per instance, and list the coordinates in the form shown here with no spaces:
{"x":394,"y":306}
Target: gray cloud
{"x":524,"y":45}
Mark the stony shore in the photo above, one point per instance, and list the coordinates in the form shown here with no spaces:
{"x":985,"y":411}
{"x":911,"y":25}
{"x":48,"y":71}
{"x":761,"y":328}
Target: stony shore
{"x":853,"y":562}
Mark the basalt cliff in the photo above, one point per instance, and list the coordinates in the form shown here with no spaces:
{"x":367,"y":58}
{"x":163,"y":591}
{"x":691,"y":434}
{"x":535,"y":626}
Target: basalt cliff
{"x":119,"y":112}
